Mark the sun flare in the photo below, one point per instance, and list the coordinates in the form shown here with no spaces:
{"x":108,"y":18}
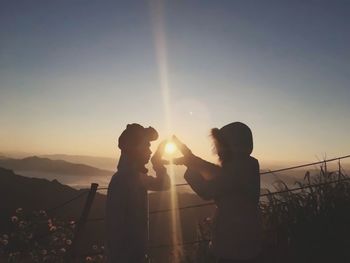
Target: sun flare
{"x":170,"y":148}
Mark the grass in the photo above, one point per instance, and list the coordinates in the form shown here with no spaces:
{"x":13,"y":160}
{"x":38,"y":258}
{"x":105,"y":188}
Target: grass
{"x":310,"y":225}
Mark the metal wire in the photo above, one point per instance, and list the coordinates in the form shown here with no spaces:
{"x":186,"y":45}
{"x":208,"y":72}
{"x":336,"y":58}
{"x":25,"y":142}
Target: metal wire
{"x":290,"y":168}
{"x":67,"y":202}
{"x":213,"y":203}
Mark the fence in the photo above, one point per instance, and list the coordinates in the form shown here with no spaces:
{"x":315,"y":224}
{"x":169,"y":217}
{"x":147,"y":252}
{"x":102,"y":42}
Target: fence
{"x":72,"y":255}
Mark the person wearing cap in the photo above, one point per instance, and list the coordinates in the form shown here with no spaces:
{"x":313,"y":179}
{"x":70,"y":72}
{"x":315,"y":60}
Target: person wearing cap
{"x":234,"y":185}
{"x":127,"y":204}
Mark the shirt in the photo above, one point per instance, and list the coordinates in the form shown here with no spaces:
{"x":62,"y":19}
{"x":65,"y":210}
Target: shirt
{"x":127,"y":209}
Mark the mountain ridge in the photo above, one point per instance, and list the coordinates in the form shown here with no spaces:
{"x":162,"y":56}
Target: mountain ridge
{"x":39,"y":164}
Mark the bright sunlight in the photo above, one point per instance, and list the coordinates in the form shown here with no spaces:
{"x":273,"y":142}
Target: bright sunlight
{"x":170,"y":148}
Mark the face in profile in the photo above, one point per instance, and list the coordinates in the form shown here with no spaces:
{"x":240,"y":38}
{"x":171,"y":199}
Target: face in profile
{"x":143,"y":152}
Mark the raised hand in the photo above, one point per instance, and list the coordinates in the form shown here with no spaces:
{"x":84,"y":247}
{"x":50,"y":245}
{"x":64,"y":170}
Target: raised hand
{"x":182,"y":147}
{"x":187,"y":153}
{"x":156,"y":159}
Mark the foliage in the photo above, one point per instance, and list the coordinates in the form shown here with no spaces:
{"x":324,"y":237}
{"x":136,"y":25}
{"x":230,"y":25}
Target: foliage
{"x":36,"y":237}
{"x":312,"y":224}
{"x":307,"y":225}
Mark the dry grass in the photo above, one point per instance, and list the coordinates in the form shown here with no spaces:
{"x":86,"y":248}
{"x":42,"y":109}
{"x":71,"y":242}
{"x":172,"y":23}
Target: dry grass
{"x":311,"y":224}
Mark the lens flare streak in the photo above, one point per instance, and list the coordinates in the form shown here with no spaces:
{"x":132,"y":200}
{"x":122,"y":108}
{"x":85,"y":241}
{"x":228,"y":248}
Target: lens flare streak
{"x":157,"y":14}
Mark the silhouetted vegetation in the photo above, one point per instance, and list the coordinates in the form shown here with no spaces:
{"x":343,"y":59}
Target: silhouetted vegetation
{"x":310,"y":225}
{"x":35,"y":237}
{"x":307,"y":225}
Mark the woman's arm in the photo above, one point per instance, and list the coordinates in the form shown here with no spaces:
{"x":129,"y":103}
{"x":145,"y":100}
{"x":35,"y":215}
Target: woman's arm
{"x":207,"y":169}
{"x":243,"y":179}
{"x":198,"y":184}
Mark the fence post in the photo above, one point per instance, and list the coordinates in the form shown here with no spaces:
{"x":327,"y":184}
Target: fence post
{"x":72,"y":253}
{"x":148,"y":255}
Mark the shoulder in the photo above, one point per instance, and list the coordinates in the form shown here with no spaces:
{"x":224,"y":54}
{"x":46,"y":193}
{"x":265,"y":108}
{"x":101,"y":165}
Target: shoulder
{"x":254,"y":166}
{"x":253,"y":161}
{"x":118,"y":181}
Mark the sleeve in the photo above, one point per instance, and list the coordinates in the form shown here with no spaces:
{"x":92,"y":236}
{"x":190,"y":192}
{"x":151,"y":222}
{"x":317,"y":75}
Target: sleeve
{"x":159,"y":183}
{"x":207,"y":169}
{"x":244,"y":179}
{"x":199,"y":185}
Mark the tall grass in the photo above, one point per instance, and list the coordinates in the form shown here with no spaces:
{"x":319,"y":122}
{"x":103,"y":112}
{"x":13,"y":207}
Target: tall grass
{"x":310,"y":225}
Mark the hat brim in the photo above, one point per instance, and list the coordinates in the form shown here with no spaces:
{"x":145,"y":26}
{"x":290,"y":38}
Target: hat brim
{"x":151,"y":134}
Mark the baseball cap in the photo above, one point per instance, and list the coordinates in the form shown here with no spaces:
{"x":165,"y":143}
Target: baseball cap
{"x":134,"y":134}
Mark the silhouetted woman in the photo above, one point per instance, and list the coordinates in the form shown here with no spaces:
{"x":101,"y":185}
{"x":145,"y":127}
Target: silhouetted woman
{"x":234,"y":185}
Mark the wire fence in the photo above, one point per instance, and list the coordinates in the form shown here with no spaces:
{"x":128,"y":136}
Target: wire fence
{"x":213,"y":203}
{"x":84,"y":192}
{"x":276,"y":171}
{"x":262,"y":195}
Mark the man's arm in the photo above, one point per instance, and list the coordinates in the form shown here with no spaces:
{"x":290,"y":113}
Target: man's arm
{"x":159,"y":183}
{"x":162,"y":180}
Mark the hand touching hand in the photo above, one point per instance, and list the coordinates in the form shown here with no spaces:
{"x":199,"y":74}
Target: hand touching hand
{"x":187,"y":153}
{"x":156,"y":160}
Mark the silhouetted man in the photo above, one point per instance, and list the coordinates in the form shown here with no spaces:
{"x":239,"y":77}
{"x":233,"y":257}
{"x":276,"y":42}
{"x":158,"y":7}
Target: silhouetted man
{"x":127,"y":204}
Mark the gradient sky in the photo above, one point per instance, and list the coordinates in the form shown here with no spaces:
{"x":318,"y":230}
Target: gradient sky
{"x":74,"y":73}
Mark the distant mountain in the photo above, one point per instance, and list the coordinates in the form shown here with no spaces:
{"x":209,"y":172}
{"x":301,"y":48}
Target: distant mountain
{"x":45,"y":165}
{"x":104,"y":163}
{"x":31,"y":193}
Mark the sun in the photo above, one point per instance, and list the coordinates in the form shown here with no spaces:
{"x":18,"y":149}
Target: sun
{"x":170,"y":148}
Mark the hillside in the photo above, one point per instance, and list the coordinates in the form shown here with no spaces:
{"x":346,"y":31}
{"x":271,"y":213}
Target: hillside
{"x":45,"y":165}
{"x":36,"y":194}
{"x":104,"y":163}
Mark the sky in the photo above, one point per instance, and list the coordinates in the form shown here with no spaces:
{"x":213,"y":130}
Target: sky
{"x":74,"y":73}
